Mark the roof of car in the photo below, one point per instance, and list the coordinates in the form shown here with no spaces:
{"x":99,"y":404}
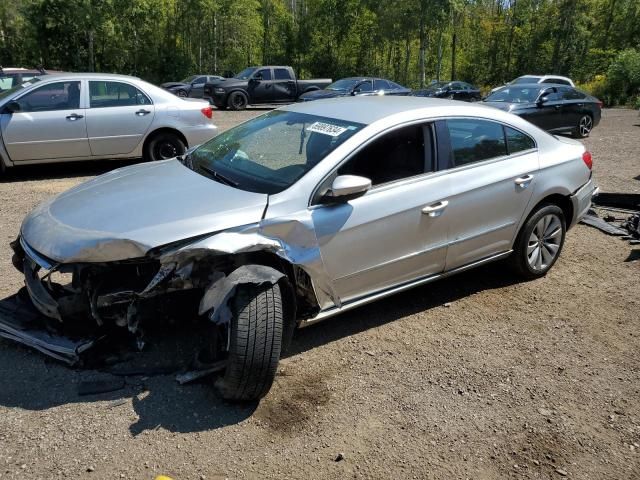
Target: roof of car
{"x":115,"y":76}
{"x":369,"y":109}
{"x":536,"y":85}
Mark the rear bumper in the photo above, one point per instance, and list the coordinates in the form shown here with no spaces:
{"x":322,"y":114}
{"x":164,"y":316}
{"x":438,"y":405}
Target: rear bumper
{"x":581,"y":200}
{"x":199,"y":134}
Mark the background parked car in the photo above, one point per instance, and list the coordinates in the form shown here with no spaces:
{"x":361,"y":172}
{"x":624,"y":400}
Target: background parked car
{"x":451,"y":90}
{"x":91,"y":116}
{"x":260,"y":85}
{"x":192,"y":86}
{"x":528,"y":79}
{"x":555,"y":108}
{"x":356,"y":86}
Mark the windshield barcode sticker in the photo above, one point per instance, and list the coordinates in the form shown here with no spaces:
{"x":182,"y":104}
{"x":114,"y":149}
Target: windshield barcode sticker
{"x":326,"y":128}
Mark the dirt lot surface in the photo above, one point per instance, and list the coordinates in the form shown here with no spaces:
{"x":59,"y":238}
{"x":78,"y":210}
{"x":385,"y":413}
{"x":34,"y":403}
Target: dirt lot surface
{"x":472,"y":377}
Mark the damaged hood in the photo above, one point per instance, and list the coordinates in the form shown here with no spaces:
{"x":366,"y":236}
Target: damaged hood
{"x":125,"y":213}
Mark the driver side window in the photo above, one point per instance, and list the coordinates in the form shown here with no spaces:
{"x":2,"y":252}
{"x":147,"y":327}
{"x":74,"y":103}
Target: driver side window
{"x":394,"y":156}
{"x":55,"y":96}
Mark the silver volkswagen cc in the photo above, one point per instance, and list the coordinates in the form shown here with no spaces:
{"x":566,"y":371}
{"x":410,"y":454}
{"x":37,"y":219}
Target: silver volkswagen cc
{"x":90,"y":116}
{"x":295,"y":216}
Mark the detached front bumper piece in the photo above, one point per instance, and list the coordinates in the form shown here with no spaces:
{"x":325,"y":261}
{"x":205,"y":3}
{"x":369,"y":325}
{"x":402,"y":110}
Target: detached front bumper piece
{"x":20,"y":321}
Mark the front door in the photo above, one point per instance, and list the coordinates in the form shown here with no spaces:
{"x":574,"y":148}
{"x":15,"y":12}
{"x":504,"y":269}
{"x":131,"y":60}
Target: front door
{"x":49,"y":125}
{"x":261,"y":86}
{"x":118,"y":117}
{"x":197,"y":87}
{"x":492,"y":171}
{"x":395,"y":233}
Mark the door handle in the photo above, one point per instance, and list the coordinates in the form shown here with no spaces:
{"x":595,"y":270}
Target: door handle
{"x":142,"y":112}
{"x":74,"y":116}
{"x":436,"y":209}
{"x":524,"y":181}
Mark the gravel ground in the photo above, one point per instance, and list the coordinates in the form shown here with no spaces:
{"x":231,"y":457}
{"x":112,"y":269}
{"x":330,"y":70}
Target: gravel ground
{"x":472,"y":377}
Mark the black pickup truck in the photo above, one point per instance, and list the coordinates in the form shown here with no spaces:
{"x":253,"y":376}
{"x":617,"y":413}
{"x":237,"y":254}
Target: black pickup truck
{"x":259,"y":85}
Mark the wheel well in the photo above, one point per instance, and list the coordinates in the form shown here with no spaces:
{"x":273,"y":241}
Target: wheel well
{"x":561,"y":201}
{"x":159,"y":131}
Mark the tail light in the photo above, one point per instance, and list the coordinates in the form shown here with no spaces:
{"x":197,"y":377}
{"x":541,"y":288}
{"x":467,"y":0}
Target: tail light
{"x":588,"y":161}
{"x":207,"y":112}
{"x":600,"y":103}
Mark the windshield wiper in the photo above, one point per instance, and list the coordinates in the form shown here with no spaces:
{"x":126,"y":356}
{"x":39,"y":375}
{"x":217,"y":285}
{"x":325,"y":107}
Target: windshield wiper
{"x":221,"y":178}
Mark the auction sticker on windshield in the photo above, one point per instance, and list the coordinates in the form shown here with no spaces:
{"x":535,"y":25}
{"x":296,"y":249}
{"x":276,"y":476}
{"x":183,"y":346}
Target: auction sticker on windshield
{"x":326,"y":128}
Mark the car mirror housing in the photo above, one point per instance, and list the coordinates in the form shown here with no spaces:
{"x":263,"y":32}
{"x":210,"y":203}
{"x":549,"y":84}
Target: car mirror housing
{"x":12,"y":107}
{"x":347,"y":187}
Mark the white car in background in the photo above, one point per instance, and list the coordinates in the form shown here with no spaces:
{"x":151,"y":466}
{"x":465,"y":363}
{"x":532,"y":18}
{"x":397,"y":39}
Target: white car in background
{"x":555,"y":79}
{"x":86,"y":116}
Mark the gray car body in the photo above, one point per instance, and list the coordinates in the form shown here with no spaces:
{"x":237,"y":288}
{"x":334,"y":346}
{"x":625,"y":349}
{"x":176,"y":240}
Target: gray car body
{"x":353,"y":253}
{"x":100,"y":133}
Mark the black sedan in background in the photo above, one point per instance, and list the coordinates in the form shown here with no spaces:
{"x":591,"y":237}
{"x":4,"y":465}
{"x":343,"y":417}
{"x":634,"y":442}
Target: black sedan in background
{"x":555,"y":108}
{"x":356,"y":86}
{"x":451,"y":90}
{"x":192,"y":86}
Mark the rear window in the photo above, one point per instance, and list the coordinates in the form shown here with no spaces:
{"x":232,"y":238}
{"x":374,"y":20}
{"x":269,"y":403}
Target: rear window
{"x":475,"y":140}
{"x":282,"y":74}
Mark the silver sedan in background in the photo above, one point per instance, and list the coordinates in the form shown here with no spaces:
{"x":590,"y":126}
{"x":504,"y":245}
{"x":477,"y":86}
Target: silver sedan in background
{"x":296,"y":216}
{"x":66,"y":117}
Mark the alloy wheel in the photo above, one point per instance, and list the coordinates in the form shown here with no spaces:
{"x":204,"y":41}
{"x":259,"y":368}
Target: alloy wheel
{"x":182,"y":93}
{"x":585,"y":126}
{"x":544,"y":242}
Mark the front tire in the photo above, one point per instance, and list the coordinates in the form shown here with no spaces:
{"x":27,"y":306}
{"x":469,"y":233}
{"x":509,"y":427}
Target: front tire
{"x":539,"y":242}
{"x":182,"y":93}
{"x":255,"y":342}
{"x":237,"y":101}
{"x":584,"y":127}
{"x":162,"y":146}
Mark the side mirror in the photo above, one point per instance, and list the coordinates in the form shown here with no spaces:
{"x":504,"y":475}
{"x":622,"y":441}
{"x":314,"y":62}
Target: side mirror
{"x":257,"y":77}
{"x":347,"y":187}
{"x":543,"y":99}
{"x":355,"y":91}
{"x":12,"y":107}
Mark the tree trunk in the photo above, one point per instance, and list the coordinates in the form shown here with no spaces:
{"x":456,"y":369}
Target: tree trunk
{"x":422,"y":52}
{"x":454,"y":41}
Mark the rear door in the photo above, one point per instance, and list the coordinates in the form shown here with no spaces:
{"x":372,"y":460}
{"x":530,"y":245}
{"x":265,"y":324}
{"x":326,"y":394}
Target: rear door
{"x":492,"y":173}
{"x":572,"y":107}
{"x":50,"y":124}
{"x":284,"y":85}
{"x":118,"y":117}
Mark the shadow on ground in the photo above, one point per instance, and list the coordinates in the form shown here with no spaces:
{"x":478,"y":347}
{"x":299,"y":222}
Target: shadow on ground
{"x":33,"y":382}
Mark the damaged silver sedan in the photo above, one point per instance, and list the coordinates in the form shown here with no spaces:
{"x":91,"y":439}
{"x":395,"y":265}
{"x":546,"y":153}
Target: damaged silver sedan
{"x":290,"y":218}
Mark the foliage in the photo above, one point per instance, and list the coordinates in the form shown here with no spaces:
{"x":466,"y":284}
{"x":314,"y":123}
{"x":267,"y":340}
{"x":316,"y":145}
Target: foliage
{"x":486,"y":42}
{"x":623,"y":77}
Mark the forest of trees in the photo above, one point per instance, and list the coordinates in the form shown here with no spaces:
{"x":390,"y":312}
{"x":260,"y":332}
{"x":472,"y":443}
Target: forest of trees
{"x":485,"y":42}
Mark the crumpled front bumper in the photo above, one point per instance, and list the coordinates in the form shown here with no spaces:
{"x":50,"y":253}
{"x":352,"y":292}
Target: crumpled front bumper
{"x":21,"y":322}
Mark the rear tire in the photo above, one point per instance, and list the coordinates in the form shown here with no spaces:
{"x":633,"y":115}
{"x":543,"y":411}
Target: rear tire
{"x":539,"y":242}
{"x":584,"y":127}
{"x":255,"y":342}
{"x":237,"y":101}
{"x":162,"y":146}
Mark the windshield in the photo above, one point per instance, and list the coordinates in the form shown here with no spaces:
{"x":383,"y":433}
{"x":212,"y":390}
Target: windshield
{"x":270,"y":153}
{"x":346,"y":84}
{"x":188,"y":79}
{"x":5,"y":93}
{"x":246,"y":73}
{"x":525,"y":80}
{"x":513,"y":94}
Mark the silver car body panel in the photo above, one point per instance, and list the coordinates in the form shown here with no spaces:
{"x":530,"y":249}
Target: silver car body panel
{"x":101,"y":133}
{"x":373,"y":246}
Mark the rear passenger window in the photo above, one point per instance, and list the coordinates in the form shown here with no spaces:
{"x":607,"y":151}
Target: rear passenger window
{"x":282,"y":74}
{"x":396,"y":155}
{"x":518,"y":141}
{"x":475,"y":140}
{"x":115,"y":94}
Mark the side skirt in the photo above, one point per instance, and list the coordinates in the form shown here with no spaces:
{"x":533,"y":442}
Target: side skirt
{"x":330,"y":312}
